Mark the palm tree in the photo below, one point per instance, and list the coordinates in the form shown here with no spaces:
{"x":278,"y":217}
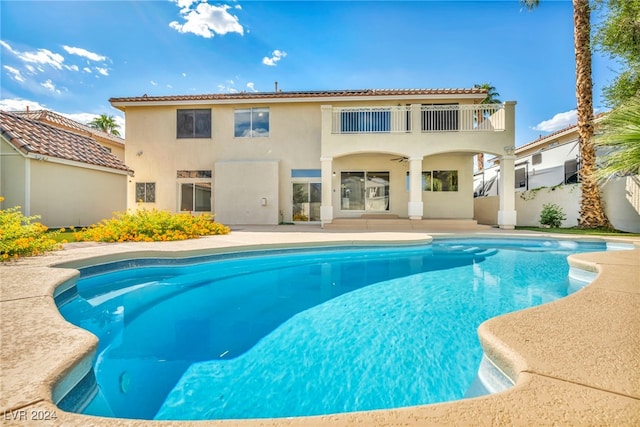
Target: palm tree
{"x":592,"y":213}
{"x":491,"y":98}
{"x":619,"y":137}
{"x":492,"y":95}
{"x":105,"y":124}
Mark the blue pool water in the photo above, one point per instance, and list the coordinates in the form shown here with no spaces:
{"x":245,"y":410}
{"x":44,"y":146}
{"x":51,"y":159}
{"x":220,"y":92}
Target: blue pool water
{"x":302,"y":332}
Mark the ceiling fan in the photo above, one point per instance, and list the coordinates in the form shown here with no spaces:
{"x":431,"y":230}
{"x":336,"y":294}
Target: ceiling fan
{"x":399,"y":159}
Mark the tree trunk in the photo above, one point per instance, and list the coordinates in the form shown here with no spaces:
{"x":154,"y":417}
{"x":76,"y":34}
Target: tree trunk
{"x":592,"y":213}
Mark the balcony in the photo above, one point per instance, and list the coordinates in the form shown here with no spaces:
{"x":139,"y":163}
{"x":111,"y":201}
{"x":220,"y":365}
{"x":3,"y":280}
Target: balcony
{"x":432,"y":118}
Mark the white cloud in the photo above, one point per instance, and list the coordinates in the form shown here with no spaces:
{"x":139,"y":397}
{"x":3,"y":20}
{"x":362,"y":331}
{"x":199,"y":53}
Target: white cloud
{"x":84,"y":53}
{"x":16,"y":104}
{"x":276,"y":56}
{"x":170,"y":86}
{"x":252,"y":87}
{"x":153,"y":83}
{"x":8,"y":47}
{"x":74,"y":68}
{"x":50,"y":86}
{"x":227,"y":87}
{"x":30,"y":68}
{"x":15,"y":73}
{"x":184,"y":74}
{"x":557,"y":122}
{"x":44,"y":57}
{"x":206,"y":20}
{"x":102,"y":71}
{"x":87,"y":70}
{"x":84,"y":118}
{"x":185,"y":3}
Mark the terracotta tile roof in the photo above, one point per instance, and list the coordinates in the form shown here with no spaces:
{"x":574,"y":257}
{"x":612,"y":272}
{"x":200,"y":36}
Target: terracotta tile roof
{"x":35,"y":137}
{"x":302,"y":94}
{"x":59,"y":120}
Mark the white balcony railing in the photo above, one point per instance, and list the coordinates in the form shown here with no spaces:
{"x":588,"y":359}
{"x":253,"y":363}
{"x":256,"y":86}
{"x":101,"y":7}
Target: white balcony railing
{"x":371,"y":119}
{"x":464,"y":118}
{"x":433,"y":118}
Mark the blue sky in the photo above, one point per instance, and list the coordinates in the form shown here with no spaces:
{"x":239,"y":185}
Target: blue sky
{"x":72,"y":56}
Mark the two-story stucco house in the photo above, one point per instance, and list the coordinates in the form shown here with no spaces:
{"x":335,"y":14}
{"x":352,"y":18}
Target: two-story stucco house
{"x":270,"y":157}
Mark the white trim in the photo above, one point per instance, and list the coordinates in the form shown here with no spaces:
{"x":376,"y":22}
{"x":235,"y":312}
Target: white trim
{"x":121,"y":105}
{"x":74,"y":163}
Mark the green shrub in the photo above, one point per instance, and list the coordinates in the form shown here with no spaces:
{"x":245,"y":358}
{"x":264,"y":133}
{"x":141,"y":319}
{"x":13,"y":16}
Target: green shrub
{"x":21,"y":236}
{"x":151,"y":226}
{"x":552,"y":215}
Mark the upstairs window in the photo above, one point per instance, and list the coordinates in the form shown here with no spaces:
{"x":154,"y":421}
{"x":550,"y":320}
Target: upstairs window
{"x":194,"y":123}
{"x":251,"y":123}
{"x":536,"y":159}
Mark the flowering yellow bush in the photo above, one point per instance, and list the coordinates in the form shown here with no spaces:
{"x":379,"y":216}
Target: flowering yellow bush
{"x":151,"y":226}
{"x":20,"y":236}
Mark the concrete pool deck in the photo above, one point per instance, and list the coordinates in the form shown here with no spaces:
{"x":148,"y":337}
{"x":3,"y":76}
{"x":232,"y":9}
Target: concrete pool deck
{"x":576,"y":361}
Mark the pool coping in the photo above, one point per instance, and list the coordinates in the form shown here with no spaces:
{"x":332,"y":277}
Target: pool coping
{"x":575,"y":361}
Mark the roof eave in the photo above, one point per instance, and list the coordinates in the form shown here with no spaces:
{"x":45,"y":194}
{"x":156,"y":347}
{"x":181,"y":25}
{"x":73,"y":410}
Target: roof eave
{"x":122,"y":103}
{"x":76,"y":163}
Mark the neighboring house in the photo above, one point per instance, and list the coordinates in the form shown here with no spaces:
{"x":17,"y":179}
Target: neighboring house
{"x":67,"y":178}
{"x":546,"y":162}
{"x":312,"y":156}
{"x":114,"y":144}
{"x":552,"y":162}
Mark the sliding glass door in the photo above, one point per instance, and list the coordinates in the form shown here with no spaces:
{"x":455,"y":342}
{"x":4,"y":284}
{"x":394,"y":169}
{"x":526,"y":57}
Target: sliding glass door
{"x":307,"y":197}
{"x":364,"y":191}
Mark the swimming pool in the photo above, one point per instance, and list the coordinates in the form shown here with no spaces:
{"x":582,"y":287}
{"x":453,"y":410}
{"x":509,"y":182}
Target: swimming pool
{"x":286,"y":333}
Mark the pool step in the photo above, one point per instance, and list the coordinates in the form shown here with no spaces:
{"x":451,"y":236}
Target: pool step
{"x":378,"y":223}
{"x":466,"y":250}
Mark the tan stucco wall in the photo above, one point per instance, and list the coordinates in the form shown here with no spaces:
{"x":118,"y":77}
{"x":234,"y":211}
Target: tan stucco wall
{"x":66,"y":195}
{"x":485,"y":210}
{"x":246,"y":192}
{"x":12,"y":177}
{"x":459,"y":204}
{"x":293,"y":142}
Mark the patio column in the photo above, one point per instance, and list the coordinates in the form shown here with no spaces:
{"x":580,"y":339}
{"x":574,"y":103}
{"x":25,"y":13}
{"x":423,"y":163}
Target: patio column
{"x":507,"y":213}
{"x":415,"y":207}
{"x":326,"y":208}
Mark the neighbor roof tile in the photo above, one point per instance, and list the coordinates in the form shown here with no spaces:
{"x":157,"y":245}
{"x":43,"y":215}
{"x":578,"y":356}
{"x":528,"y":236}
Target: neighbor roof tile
{"x":32,"y":136}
